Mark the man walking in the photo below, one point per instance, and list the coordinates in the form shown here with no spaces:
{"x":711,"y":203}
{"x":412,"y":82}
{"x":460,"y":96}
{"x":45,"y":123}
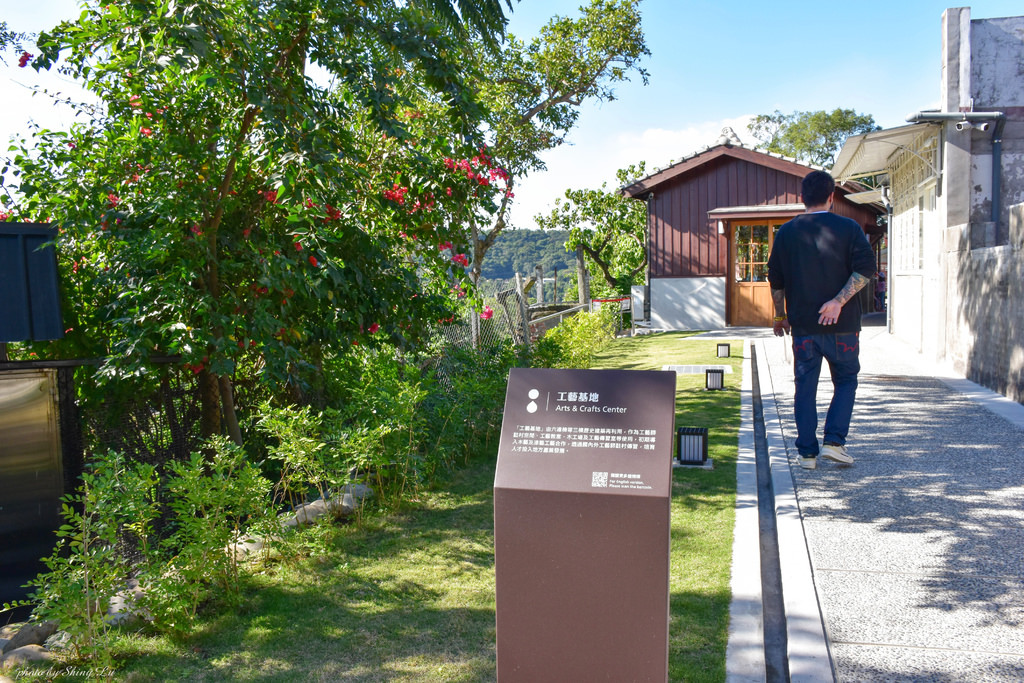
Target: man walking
{"x":818,"y":264}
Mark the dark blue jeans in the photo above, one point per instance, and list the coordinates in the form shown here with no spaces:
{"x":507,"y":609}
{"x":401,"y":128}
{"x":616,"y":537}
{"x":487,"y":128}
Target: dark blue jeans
{"x":842,"y":351}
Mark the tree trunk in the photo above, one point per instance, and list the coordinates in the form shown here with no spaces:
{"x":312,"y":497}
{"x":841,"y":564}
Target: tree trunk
{"x":209,"y":402}
{"x":581,"y":276}
{"x":227,"y":402}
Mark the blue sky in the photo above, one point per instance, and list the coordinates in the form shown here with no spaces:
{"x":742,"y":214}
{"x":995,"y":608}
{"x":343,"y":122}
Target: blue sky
{"x":714,"y":63}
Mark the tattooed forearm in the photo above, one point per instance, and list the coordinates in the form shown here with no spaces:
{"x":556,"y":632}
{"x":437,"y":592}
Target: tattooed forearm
{"x":853,"y":285}
{"x":779,"y":299}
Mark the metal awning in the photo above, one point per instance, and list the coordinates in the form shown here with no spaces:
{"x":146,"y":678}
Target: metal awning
{"x":868,"y":153}
{"x":867,"y":197}
{"x":759,"y":211}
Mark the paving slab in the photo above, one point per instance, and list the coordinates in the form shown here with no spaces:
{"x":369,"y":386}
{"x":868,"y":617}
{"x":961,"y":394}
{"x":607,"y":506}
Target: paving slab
{"x":969,"y":550}
{"x":947,"y":611}
{"x":871,"y":662}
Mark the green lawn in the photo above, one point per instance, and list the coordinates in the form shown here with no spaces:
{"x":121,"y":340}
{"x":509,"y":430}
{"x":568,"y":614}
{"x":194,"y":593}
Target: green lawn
{"x":703,"y":502}
{"x":410,"y":596}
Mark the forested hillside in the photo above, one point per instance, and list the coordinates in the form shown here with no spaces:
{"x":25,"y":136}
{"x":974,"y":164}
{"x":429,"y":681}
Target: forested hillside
{"x":522,"y":250}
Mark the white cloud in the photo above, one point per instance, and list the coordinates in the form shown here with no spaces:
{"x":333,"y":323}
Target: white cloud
{"x":596,"y":156}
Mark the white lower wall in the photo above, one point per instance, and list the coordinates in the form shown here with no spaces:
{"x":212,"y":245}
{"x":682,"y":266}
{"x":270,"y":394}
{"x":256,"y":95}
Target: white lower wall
{"x":637,"y":292}
{"x":693,"y":303}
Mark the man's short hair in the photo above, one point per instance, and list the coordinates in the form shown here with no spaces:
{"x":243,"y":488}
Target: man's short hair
{"x":816,"y":188}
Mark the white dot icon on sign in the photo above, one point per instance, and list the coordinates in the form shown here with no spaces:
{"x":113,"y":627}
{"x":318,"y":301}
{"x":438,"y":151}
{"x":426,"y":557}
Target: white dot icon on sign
{"x":531,"y":407}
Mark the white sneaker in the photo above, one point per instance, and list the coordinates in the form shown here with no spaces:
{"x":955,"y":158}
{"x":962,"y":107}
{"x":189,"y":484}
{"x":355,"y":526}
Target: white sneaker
{"x":836,"y":452}
{"x":808,"y":463}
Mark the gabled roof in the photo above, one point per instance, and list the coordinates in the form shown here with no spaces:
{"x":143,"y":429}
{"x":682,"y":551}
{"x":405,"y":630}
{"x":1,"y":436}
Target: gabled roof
{"x":685,"y":165}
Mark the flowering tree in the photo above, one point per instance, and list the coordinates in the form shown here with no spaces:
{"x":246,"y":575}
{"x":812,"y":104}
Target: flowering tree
{"x":220,"y":205}
{"x":534,"y":92}
{"x":610,"y":228}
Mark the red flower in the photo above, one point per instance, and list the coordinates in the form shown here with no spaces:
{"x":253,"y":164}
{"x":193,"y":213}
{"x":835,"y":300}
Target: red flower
{"x":298,"y":246}
{"x":145,"y":132}
{"x":271,"y":196}
{"x":461,"y":259}
{"x":245,"y":233}
{"x":313,"y":262}
{"x":487,"y":314}
{"x":134,"y":101}
{"x":373,"y":328}
{"x":444,"y":245}
{"x":24,"y":59}
{"x":112,"y":200}
{"x":396,"y":193}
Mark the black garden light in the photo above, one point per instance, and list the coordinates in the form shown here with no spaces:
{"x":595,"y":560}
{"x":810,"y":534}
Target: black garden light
{"x":692,"y":446}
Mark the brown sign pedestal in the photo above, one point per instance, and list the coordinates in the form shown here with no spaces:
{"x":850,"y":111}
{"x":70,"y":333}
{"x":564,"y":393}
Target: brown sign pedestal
{"x":581,"y":525}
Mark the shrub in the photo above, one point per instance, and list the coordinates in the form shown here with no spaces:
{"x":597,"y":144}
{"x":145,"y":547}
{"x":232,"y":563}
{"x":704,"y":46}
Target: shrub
{"x":464,"y":411}
{"x":87,"y":567}
{"x":575,"y":342}
{"x":212,"y":502}
{"x":295,"y":443}
{"x":379,"y":429}
{"x":215,"y":501}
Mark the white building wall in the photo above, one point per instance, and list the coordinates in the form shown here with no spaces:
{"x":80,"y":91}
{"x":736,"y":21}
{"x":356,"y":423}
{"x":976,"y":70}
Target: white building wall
{"x":688,"y":303}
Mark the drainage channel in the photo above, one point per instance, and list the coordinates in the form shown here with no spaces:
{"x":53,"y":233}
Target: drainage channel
{"x":774,"y":613}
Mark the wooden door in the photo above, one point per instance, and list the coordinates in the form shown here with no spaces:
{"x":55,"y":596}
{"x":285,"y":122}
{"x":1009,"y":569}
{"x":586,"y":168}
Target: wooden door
{"x":750,"y":298}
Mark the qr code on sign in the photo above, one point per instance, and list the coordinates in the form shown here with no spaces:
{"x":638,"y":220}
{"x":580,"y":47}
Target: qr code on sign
{"x":599,"y":479}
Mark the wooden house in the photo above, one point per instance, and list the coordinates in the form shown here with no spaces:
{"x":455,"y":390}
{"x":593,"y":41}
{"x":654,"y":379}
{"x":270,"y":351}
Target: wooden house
{"x":711,"y":220}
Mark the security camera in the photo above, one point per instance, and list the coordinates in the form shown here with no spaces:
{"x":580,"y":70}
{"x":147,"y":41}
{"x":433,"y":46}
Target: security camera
{"x":963,"y":125}
{"x":982,"y":126}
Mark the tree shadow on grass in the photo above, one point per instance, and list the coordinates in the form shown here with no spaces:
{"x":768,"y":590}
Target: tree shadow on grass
{"x":410,"y":596}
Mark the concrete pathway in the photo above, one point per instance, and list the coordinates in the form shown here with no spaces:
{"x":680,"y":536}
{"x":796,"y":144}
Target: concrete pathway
{"x":909,"y":564}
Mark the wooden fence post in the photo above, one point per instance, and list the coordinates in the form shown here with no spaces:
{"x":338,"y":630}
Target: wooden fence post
{"x":524,"y":310}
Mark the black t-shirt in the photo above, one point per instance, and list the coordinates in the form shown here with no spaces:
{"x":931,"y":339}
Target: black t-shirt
{"x":812,"y":259}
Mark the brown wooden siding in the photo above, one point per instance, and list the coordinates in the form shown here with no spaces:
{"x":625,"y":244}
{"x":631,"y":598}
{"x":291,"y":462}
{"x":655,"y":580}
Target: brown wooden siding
{"x":684,"y":240}
{"x":864,"y":216}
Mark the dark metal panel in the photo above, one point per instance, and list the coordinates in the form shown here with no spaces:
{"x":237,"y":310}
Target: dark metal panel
{"x":31,"y":483}
{"x":14,"y":316}
{"x":30,"y":304}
